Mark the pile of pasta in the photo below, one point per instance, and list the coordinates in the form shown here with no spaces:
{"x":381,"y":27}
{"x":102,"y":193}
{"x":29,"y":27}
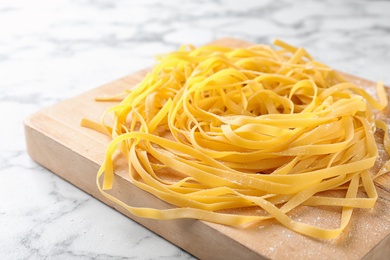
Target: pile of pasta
{"x":215,"y":129}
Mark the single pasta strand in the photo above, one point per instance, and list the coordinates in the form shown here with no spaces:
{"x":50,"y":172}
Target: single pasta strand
{"x":254,"y":127}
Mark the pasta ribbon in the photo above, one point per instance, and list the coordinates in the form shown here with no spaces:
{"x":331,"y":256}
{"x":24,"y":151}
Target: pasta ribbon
{"x":215,"y":129}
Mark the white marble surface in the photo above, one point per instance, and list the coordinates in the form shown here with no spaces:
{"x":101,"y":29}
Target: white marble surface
{"x":52,"y":50}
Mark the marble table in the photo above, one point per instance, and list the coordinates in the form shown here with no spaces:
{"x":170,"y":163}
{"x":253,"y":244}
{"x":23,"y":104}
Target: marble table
{"x":52,"y":50}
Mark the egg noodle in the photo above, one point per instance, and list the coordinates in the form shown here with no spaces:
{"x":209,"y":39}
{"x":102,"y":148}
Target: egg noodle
{"x":216,"y":129}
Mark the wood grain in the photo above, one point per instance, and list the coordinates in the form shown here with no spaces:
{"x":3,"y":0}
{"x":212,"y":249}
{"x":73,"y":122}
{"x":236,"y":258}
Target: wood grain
{"x":56,"y":140}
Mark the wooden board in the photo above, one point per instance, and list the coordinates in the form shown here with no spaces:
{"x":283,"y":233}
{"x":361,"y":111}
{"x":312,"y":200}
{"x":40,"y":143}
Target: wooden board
{"x":56,"y":140}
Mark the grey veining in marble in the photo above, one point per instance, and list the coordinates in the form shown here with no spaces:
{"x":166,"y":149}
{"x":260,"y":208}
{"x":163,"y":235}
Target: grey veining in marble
{"x":52,"y":50}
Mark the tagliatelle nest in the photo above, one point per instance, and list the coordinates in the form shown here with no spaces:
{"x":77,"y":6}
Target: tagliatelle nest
{"x":215,"y":128}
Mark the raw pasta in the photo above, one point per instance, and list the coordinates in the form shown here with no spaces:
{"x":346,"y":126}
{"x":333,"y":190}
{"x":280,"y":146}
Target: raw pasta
{"x":214,"y":128}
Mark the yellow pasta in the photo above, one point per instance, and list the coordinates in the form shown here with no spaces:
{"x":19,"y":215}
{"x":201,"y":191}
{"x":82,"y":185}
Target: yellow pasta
{"x":214,"y":129}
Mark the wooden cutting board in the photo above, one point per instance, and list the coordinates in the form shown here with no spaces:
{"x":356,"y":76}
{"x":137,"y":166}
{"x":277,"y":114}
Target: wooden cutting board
{"x":56,"y":140}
